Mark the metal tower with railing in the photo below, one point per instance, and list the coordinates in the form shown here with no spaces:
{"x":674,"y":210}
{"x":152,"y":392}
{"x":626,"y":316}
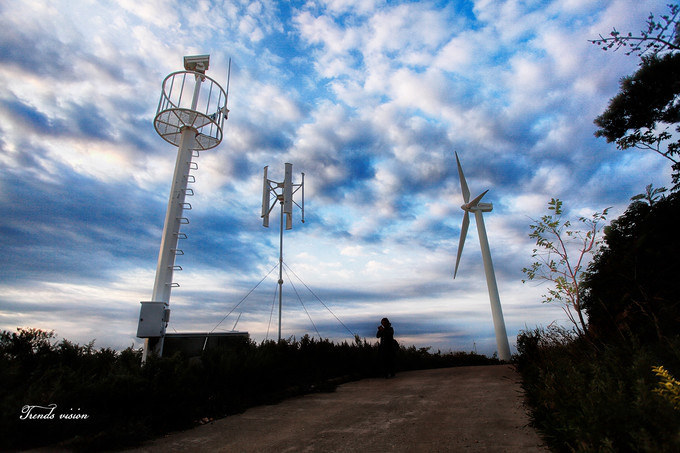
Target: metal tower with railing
{"x":190,"y":115}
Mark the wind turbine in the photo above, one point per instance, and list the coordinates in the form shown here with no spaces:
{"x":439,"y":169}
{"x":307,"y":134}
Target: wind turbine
{"x":478,"y":208}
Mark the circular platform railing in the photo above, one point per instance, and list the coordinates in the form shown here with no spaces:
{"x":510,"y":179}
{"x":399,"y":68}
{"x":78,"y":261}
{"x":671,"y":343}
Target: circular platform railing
{"x":179,"y":109}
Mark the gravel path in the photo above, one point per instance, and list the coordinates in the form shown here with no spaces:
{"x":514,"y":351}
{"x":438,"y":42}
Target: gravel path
{"x":445,"y":410}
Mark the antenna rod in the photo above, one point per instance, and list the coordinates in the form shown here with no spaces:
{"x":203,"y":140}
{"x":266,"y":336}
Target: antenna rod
{"x":226,"y":99}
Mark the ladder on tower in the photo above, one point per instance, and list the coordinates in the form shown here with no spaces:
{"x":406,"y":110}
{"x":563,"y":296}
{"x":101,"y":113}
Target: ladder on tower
{"x":186,"y":206}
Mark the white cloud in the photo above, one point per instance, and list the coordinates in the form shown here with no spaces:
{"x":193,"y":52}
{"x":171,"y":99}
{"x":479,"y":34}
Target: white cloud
{"x":160,"y":13}
{"x":407,"y":29}
{"x":458,"y":54}
{"x":323,"y":30}
{"x":353,"y":250}
{"x":356,"y":7}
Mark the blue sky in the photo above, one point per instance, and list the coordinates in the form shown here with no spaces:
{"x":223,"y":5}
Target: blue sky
{"x":369,"y":99}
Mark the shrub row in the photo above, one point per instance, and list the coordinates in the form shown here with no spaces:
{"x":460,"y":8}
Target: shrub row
{"x":126,"y":403}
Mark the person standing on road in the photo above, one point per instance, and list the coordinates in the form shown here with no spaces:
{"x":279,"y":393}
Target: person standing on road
{"x":387,"y":348}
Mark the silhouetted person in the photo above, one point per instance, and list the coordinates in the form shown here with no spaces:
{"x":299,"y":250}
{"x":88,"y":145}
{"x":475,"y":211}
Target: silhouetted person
{"x":387,"y":348}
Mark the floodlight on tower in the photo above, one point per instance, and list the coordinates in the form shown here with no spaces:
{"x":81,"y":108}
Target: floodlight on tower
{"x":283,"y":193}
{"x":190,"y":115}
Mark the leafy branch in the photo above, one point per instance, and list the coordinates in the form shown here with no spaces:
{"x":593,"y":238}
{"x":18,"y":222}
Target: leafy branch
{"x":651,"y":195}
{"x":660,"y":36}
{"x":647,"y":140}
{"x":668,"y":387}
{"x":561,"y":253}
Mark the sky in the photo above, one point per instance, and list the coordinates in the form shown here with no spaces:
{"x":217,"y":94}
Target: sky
{"x":369,"y":98}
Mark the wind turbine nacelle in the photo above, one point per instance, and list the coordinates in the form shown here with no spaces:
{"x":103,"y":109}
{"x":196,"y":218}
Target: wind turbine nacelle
{"x":485,"y":207}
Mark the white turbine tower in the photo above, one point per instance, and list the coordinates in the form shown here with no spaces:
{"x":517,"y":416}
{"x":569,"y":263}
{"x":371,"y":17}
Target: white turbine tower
{"x":478,"y":208}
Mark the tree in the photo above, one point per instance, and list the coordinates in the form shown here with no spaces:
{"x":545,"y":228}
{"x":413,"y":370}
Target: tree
{"x":647,"y":106}
{"x":631,"y":286}
{"x":651,"y":195}
{"x":25,"y":343}
{"x":562,"y":252}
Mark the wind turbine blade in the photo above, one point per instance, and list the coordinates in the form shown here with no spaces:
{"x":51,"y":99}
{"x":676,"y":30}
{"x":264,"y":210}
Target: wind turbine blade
{"x":476,"y":200}
{"x":463,"y":184}
{"x":461,"y":242}
{"x":265,"y":199}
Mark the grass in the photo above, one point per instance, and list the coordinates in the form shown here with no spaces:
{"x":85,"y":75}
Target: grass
{"x":127,"y":403}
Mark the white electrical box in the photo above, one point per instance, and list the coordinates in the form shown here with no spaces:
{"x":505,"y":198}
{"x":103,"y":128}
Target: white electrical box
{"x":153,"y":317}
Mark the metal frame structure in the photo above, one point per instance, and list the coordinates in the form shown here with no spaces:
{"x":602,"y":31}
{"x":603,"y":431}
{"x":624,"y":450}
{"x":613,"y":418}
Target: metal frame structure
{"x":283,"y":194}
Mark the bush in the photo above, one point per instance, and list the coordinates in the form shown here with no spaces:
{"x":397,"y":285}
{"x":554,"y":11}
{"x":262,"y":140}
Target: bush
{"x":631,"y":286}
{"x":127,"y":403}
{"x":586,"y":397}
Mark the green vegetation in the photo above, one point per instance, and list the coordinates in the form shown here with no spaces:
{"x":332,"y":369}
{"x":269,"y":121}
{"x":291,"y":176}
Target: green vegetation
{"x":604,"y":391}
{"x":609,"y":385}
{"x":126,"y":403}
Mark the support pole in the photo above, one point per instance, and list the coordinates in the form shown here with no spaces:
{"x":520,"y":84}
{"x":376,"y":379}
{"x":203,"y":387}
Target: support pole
{"x":280,"y":268}
{"x":496,"y":311}
{"x":166,"y":256}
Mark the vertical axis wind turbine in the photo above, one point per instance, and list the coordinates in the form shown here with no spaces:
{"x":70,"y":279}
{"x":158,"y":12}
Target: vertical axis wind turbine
{"x":190,"y":116}
{"x":283,"y":193}
{"x":478,"y":208}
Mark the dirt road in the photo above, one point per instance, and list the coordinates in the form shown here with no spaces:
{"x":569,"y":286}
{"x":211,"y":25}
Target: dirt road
{"x":445,"y":410}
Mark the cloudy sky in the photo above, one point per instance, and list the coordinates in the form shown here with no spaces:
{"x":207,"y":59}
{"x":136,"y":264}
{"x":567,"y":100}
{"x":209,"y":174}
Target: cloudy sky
{"x":368,"y":98}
